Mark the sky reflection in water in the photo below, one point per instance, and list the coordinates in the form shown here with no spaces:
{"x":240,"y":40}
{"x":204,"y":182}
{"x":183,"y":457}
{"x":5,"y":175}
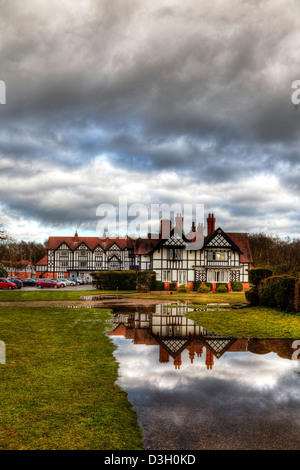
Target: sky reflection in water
{"x":248,"y":398}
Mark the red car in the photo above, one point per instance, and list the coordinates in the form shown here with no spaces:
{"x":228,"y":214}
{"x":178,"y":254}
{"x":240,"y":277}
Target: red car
{"x":5,"y":284}
{"x":48,"y":283}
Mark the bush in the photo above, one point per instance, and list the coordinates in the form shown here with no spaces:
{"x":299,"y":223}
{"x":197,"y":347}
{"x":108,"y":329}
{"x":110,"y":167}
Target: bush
{"x":277,"y":292}
{"x":3,"y":272}
{"x":236,"y":286}
{"x":256,"y":275}
{"x":183,"y":288}
{"x":113,"y":280}
{"x":222,"y":288}
{"x":252,"y":296}
{"x":196,"y":285}
{"x":209,"y":285}
{"x":145,"y":281}
{"x":159,"y":285}
{"x":172,"y":286}
{"x":204,"y":289}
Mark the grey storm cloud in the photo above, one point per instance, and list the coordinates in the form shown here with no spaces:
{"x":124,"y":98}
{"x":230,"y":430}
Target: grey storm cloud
{"x":152,"y":88}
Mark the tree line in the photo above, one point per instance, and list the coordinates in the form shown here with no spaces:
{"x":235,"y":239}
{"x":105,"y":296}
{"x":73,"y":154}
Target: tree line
{"x":280,"y":255}
{"x":12,"y":250}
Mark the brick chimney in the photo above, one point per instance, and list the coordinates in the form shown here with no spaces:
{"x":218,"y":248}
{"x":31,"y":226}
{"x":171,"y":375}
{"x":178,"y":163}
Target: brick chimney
{"x":209,"y":361}
{"x":211,"y":223}
{"x":179,"y":223}
{"x":76,"y":236}
{"x":165,"y":228}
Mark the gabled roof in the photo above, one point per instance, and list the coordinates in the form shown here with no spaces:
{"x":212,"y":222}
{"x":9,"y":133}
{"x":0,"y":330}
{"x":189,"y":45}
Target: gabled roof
{"x":242,"y":241}
{"x":146,"y":246}
{"x":174,"y":234}
{"x":91,"y":242}
{"x":43,"y":261}
{"x":238,"y":241}
{"x":23,"y":264}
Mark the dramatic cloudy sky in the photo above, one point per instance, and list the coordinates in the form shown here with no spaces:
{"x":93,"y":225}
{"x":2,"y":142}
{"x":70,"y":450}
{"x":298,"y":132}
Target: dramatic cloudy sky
{"x":159,"y":101}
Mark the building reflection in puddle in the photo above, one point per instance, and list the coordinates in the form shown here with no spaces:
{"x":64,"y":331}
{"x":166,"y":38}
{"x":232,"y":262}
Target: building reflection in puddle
{"x":170,"y":330}
{"x":193,"y":389}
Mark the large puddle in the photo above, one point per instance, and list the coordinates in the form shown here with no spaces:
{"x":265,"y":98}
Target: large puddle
{"x":192,"y":389}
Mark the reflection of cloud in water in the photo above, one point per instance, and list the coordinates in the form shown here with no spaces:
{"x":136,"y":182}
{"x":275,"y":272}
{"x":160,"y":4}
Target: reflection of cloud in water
{"x":242,"y":368}
{"x":245,"y":401}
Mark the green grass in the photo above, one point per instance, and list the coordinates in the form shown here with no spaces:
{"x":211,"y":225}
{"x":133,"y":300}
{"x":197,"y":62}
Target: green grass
{"x":57,"y":387}
{"x":21,"y":295}
{"x":195,"y":297}
{"x":61,"y":294}
{"x":255,"y":322}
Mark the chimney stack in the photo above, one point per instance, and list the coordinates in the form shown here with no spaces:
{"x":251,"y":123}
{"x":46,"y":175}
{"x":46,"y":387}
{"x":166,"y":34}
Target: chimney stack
{"x":165,"y":229}
{"x":179,"y":223}
{"x":76,"y":237}
{"x":211,"y":224}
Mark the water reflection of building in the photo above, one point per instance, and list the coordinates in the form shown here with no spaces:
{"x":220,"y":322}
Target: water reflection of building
{"x":170,"y":330}
{"x":173,"y":332}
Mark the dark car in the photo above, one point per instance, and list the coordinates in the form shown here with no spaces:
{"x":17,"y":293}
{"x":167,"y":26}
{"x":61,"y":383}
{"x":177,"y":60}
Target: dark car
{"x":48,"y":283}
{"x":29,"y":282}
{"x":6,"y":284}
{"x":17,"y":281}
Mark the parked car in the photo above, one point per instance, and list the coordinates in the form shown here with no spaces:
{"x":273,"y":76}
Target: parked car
{"x":17,"y":281}
{"x":48,"y":283}
{"x":79,"y":280}
{"x":72,"y":281}
{"x":63,"y":282}
{"x":6,"y":284}
{"x":29,"y":282}
{"x":67,"y":282}
{"x":75,"y":280}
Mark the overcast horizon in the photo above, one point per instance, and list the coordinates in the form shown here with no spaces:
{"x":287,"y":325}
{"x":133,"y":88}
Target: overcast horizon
{"x":158,"y":101}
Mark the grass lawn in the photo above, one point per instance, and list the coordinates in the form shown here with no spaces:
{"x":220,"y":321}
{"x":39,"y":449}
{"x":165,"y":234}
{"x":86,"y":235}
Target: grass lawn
{"x":255,"y":322}
{"x":66,"y":294}
{"x":58,"y":384}
{"x":195,"y":297}
{"x":53,"y":294}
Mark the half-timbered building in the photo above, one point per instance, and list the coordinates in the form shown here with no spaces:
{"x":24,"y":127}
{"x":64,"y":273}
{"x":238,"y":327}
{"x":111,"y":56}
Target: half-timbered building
{"x":215,"y":257}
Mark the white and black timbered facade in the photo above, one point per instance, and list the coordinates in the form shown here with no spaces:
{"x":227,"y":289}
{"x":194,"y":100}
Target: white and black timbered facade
{"x":220,"y":257}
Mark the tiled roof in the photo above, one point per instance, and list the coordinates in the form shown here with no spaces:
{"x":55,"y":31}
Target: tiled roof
{"x":43,"y":261}
{"x":242,"y":241}
{"x":90,"y":242}
{"x":141,"y":246}
{"x":16,"y":264}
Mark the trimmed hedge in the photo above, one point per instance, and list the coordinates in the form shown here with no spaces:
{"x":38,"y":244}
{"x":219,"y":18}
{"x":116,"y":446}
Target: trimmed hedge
{"x":159,"y":285}
{"x":278,"y":292}
{"x":172,"y":286}
{"x":256,"y":275}
{"x":115,"y":280}
{"x":252,"y":296}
